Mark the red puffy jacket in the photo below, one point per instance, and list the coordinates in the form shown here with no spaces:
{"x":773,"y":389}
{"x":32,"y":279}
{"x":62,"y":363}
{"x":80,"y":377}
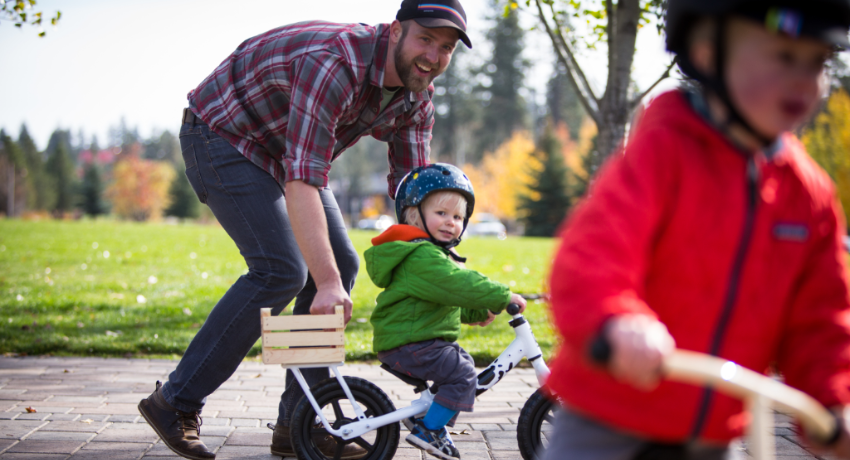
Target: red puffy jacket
{"x":744,"y":265}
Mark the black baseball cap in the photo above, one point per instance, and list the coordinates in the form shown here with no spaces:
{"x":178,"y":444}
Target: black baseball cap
{"x":436,"y":13}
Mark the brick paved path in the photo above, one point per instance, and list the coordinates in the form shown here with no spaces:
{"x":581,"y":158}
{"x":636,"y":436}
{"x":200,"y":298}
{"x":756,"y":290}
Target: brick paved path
{"x":85,"y":408}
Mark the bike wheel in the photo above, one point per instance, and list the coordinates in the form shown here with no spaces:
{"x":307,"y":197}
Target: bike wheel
{"x":306,"y":427}
{"x":534,"y":425}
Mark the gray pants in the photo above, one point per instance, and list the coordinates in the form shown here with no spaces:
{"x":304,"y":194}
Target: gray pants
{"x":445,"y":363}
{"x":579,"y":438}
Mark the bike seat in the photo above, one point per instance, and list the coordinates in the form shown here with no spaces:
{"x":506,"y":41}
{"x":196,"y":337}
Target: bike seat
{"x":419,"y":384}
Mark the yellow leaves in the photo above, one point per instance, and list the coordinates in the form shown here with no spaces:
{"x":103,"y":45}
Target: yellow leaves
{"x":503,"y":175}
{"x":828,"y":143}
{"x":139,"y":190}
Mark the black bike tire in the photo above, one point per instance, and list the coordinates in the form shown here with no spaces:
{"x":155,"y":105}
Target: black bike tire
{"x":529,"y":426}
{"x":376,"y":403}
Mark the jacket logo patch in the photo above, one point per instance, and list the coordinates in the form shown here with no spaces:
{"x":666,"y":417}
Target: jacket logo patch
{"x":785,"y":231}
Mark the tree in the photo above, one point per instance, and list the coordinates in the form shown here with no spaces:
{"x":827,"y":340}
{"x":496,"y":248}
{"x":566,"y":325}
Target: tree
{"x":63,"y":137}
{"x":165,"y":147}
{"x":92,"y":191}
{"x":563,"y":104}
{"x":546,"y":204}
{"x":828,"y":142}
{"x":503,"y":176}
{"x":456,"y":111}
{"x":13,"y":172}
{"x":184,"y":202}
{"x":17,"y":12}
{"x":41,"y":194}
{"x":504,"y":108}
{"x":60,"y":168}
{"x":616,"y":24}
{"x":139,"y":190}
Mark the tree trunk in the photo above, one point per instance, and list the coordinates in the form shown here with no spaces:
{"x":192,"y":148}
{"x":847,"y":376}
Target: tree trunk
{"x":615,"y":105}
{"x":10,"y":194}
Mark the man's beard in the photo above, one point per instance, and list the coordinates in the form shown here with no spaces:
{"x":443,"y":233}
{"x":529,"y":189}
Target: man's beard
{"x":404,"y":67}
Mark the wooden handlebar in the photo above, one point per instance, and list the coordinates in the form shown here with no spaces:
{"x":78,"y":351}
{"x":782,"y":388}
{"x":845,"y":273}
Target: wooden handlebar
{"x":758,"y":391}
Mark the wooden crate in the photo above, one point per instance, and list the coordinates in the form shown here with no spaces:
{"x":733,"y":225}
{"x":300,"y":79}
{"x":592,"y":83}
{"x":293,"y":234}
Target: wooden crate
{"x":303,"y":340}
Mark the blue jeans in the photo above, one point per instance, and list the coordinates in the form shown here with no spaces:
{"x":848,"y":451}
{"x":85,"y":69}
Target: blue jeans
{"x":250,"y":206}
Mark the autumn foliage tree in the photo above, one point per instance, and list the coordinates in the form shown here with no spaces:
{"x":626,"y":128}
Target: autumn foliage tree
{"x":543,"y":210}
{"x":504,"y":175}
{"x":828,"y":142}
{"x":139,"y":189}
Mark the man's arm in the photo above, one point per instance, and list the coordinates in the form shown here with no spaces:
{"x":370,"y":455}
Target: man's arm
{"x":307,"y":215}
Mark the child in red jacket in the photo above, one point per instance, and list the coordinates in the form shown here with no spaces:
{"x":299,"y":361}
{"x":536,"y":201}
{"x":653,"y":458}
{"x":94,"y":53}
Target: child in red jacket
{"x":714,"y":232}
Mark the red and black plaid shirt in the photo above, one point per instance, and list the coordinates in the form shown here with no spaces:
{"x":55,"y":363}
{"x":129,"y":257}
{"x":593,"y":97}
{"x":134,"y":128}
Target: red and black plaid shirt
{"x":294,"y":98}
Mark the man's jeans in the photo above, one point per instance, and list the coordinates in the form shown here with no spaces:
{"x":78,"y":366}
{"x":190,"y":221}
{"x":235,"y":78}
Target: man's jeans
{"x":250,"y":206}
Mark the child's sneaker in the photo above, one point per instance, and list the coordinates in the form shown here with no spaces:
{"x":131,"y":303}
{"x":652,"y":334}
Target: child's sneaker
{"x":410,"y":422}
{"x":436,"y":443}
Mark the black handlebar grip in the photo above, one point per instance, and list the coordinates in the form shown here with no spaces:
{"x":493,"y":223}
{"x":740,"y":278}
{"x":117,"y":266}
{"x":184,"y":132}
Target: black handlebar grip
{"x":513,"y":309}
{"x":600,"y":350}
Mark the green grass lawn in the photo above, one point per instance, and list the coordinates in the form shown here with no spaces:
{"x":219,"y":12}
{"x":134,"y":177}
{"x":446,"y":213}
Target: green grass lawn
{"x":107,"y":288}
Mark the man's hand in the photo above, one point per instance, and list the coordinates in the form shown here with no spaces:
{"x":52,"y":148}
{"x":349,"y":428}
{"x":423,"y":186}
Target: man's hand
{"x":519,"y":300}
{"x":639,"y":345}
{"x":310,"y":226}
{"x":328,"y":298}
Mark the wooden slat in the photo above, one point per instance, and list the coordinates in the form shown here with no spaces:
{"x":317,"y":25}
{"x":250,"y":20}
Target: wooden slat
{"x":309,"y":339}
{"x":304,"y":355}
{"x":300,"y":322}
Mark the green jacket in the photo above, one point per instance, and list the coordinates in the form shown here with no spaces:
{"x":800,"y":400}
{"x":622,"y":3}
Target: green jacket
{"x":426,"y":294}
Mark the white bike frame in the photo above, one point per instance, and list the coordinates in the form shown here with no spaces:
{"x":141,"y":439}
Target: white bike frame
{"x":523,"y":346}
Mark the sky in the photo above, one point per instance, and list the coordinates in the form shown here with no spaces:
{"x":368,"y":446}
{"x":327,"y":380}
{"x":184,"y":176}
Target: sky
{"x":136,"y":60}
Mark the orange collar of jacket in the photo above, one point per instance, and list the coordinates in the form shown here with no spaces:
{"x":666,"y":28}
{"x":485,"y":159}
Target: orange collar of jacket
{"x":399,"y":232}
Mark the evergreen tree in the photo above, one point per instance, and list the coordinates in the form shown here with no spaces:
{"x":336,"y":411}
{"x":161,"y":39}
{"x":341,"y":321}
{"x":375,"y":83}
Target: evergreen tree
{"x":13,"y":175}
{"x":547,"y":204}
{"x":564,"y":105}
{"x":165,"y":147}
{"x":61,"y":170}
{"x":504,"y":108}
{"x":590,"y":164}
{"x":61,"y":137}
{"x":184,"y":202}
{"x":41,"y":194}
{"x":92,"y":191}
{"x":94,"y":147}
{"x":456,"y":111}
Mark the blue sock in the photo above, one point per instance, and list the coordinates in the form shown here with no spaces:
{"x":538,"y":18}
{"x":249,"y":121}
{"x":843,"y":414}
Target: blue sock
{"x":437,"y":416}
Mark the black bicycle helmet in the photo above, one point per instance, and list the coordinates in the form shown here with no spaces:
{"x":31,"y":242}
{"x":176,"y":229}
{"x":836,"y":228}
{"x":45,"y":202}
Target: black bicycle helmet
{"x":826,"y":20}
{"x":425,"y":180}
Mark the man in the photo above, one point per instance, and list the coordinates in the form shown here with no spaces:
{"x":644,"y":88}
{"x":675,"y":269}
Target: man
{"x":258,"y":140}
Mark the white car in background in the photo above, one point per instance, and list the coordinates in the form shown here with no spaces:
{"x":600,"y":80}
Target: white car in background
{"x":486,"y":224}
{"x":379,"y":223}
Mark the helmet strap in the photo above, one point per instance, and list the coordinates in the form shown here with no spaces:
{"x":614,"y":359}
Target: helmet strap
{"x":717,"y":85}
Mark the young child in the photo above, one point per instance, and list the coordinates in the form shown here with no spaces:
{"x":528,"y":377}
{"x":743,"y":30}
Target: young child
{"x":714,"y":232}
{"x":428,"y":294}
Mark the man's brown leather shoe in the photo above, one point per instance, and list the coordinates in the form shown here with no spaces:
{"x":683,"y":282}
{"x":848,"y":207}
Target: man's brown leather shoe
{"x":282,"y":446}
{"x":178,"y":430}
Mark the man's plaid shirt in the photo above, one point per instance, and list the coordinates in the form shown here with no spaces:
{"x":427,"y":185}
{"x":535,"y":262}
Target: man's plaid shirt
{"x":292,"y":99}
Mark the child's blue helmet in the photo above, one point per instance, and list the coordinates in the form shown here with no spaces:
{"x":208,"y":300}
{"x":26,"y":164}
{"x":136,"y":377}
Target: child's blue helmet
{"x":425,"y":180}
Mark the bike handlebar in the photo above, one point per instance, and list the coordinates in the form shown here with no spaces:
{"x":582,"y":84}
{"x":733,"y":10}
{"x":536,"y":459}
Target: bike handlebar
{"x":513,"y":309}
{"x":745,"y":384}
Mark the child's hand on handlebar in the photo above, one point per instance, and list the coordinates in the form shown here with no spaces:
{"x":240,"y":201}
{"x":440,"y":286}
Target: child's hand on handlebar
{"x":639,"y":345}
{"x":519,"y":300}
{"x":490,"y":317}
